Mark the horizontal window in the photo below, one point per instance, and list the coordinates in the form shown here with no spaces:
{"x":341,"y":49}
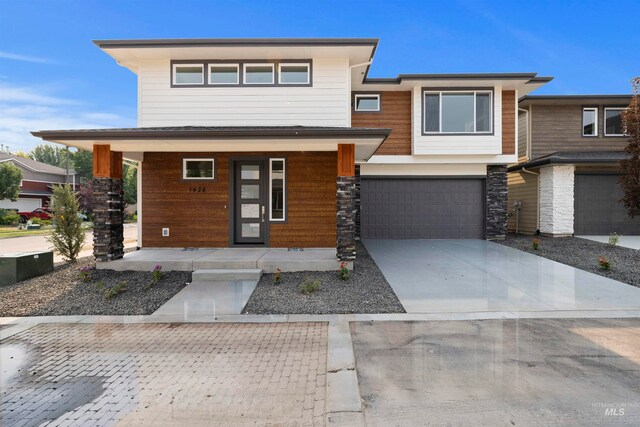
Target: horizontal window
{"x":224,"y":74}
{"x":198,"y":169}
{"x":457,"y":112}
{"x":258,"y":74}
{"x":590,"y":121}
{"x":188,"y":74}
{"x":613,"y":122}
{"x":366,"y":102}
{"x":276,"y":188}
{"x":293,"y":74}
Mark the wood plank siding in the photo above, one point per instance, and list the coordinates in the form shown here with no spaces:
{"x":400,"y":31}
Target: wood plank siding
{"x":395,"y":114}
{"x":559,"y":128}
{"x":508,"y":122}
{"x":201,"y":218}
{"x":523,"y":187}
{"x":522,"y":137}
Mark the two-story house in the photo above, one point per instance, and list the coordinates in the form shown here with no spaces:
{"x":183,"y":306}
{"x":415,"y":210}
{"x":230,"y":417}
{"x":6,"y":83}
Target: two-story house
{"x":288,"y":143}
{"x":566,"y":178}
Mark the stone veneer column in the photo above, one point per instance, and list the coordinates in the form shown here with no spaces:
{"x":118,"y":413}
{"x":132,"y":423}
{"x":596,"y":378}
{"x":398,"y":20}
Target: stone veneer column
{"x":108,"y":228}
{"x":345,"y":220}
{"x":356,"y":204}
{"x":556,"y":200}
{"x":496,"y":226}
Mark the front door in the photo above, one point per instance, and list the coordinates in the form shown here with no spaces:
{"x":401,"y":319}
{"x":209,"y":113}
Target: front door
{"x":249,"y":202}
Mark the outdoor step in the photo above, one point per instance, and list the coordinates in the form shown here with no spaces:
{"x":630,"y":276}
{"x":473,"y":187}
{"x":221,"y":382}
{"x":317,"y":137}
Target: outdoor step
{"x":217,"y":274}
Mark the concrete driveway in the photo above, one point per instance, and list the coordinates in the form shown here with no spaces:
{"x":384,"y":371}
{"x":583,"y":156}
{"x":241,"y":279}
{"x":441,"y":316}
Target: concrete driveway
{"x":431,"y":276}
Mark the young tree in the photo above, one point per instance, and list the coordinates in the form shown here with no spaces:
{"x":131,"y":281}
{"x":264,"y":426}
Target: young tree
{"x":10,"y":178}
{"x":83,"y":164}
{"x":630,"y":167}
{"x":67,"y":234}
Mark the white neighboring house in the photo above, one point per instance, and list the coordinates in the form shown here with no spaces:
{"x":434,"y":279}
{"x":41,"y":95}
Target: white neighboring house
{"x":37,"y":180}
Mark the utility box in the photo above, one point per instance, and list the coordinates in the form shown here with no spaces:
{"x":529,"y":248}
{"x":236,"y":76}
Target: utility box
{"x":20,"y":266}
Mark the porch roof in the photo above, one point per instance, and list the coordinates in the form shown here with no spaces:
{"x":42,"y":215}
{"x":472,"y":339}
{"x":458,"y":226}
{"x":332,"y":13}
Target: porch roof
{"x":570,"y":157}
{"x":222,"y":138}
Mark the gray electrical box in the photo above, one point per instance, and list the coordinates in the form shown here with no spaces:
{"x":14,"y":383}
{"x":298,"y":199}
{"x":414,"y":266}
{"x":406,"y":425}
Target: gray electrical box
{"x":20,"y":266}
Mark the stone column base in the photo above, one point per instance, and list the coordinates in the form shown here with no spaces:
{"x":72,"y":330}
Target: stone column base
{"x":345,"y":218}
{"x":108,"y":219}
{"x":556,"y":200}
{"x":496,"y":224}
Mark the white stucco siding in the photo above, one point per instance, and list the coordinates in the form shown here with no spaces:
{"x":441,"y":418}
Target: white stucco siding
{"x":325,"y":103}
{"x":556,"y":200}
{"x":456,"y":144}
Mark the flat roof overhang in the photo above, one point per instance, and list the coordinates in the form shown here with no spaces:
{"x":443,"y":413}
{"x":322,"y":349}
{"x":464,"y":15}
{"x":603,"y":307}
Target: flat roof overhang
{"x":133,"y":141}
{"x":616,"y":100}
{"x":577,"y":157}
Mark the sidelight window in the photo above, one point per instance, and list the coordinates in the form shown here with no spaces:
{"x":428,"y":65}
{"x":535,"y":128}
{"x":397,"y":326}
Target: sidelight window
{"x":277,"y":189}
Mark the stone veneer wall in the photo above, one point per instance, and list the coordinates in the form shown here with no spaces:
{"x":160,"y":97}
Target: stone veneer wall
{"x":496,"y":202}
{"x":345,"y":219}
{"x":356,"y":203}
{"x":556,"y":200}
{"x":108,"y":228}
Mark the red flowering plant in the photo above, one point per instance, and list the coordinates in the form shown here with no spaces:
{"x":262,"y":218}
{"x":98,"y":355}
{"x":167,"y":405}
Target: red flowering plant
{"x":535,"y":244}
{"x":277,"y":277}
{"x":604,"y":264}
{"x":344,"y":271}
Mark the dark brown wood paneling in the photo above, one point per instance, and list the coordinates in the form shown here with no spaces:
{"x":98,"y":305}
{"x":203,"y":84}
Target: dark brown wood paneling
{"x":101,"y":161}
{"x":508,"y":122}
{"x":115,"y":167}
{"x":559,"y":128}
{"x":201,"y":218}
{"x":346,"y":160}
{"x":395,"y":114}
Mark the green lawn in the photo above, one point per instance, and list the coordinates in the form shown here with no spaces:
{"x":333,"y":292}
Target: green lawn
{"x":8,"y":231}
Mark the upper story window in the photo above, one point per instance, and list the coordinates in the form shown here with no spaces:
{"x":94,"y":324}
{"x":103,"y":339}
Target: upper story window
{"x":292,"y":74}
{"x":188,"y":74}
{"x":224,"y":74}
{"x":259,"y":74}
{"x":454,"y":112}
{"x":366,"y":102}
{"x":590,"y":121}
{"x":613,"y":122}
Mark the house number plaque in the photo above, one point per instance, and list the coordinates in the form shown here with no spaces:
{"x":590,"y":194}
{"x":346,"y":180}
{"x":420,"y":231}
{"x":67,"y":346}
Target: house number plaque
{"x":197,"y":189}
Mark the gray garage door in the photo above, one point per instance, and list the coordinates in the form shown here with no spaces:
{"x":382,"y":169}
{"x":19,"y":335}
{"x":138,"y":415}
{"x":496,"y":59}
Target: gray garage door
{"x":598,"y":209}
{"x":419,"y":208}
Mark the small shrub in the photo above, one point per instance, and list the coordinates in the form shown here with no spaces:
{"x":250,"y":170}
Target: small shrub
{"x":45,"y":222}
{"x":344,"y":271}
{"x":277,"y":277}
{"x":67,"y":234}
{"x":100,"y":285}
{"x":156,"y":273}
{"x":614,"y":239}
{"x":36,"y":220}
{"x":308,"y":287}
{"x":85,"y":273}
{"x":9,"y":217}
{"x":115,"y":290}
{"x":535,"y":244}
{"x":604,"y":264}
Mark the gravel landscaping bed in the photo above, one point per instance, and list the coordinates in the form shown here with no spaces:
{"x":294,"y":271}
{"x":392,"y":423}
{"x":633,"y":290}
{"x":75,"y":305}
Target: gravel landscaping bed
{"x":63,"y":293}
{"x":584,"y":254}
{"x":366,"y":291}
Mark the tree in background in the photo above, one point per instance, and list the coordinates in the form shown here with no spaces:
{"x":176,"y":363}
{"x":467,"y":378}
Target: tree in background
{"x":22,"y":154}
{"x":83,"y":164}
{"x":10,"y":178}
{"x":130,"y":184}
{"x":630,"y":167}
{"x":86,"y":197}
{"x":67,"y":234}
{"x":51,"y":155}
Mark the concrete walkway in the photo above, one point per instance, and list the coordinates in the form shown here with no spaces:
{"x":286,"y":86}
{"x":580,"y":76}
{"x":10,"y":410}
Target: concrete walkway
{"x":632,"y":242}
{"x":431,"y":276}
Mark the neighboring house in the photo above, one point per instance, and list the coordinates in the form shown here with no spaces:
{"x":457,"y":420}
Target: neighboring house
{"x":569,"y":149}
{"x":37,"y":180}
{"x":288,"y":143}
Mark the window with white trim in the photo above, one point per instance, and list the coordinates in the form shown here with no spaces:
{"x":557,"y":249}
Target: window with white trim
{"x":590,"y":121}
{"x":259,"y":74}
{"x":188,"y":74}
{"x":277,"y":194}
{"x":454,"y":112}
{"x":369,"y":102}
{"x":613,"y":122}
{"x":293,"y":74}
{"x":224,"y":74}
{"x":198,"y":169}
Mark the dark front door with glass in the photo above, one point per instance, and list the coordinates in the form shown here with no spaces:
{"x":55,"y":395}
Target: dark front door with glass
{"x":249,"y":202}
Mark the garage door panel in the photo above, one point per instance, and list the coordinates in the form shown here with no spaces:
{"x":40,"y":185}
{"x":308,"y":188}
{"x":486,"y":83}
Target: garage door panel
{"x":597,"y":207}
{"x":418,"y":208}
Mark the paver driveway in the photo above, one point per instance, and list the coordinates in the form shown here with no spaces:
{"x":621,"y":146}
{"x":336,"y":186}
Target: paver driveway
{"x":164,"y":374}
{"x":476,"y":275}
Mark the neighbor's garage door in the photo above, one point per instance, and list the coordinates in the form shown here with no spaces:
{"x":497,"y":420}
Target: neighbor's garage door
{"x":598,"y":209}
{"x":23,"y":204}
{"x":420,"y":208}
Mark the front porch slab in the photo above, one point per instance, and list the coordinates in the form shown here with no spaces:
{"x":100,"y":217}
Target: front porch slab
{"x":230,"y":258}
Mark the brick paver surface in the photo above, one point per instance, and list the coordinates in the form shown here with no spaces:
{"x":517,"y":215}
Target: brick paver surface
{"x":165,"y":374}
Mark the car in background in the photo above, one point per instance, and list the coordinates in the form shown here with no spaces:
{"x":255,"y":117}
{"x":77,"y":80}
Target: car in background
{"x":41,"y":213}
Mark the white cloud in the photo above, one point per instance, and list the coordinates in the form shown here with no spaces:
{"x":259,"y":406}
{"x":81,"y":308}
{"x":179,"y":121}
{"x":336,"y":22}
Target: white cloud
{"x":24,"y":58}
{"x":23,"y":110}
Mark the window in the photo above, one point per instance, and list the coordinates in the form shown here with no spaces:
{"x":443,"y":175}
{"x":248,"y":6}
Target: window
{"x":293,"y":74}
{"x":258,"y":74}
{"x":188,"y":74}
{"x":224,"y":74}
{"x":366,"y":102}
{"x":613,"y":122}
{"x":457,"y":112}
{"x":198,"y":169}
{"x":590,"y":121}
{"x":276,"y":189}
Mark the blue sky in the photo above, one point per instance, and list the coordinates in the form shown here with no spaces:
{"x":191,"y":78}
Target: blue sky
{"x":53,"y":77}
